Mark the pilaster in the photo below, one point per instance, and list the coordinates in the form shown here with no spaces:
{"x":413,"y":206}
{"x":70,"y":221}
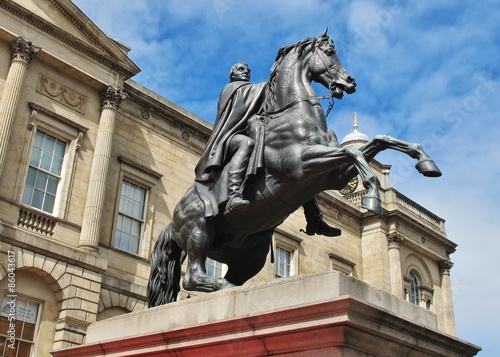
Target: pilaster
{"x":449,"y":315}
{"x":394,"y":240}
{"x":89,"y":237}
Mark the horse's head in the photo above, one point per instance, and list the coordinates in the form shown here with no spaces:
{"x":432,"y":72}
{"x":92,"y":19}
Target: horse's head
{"x":328,"y":70}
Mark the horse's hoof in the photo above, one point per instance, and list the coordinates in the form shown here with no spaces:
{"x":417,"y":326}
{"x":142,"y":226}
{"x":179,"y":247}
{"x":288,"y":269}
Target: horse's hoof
{"x":372,"y":203}
{"x":428,"y":168}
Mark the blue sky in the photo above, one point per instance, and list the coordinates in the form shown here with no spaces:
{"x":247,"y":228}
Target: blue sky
{"x":427,"y":72}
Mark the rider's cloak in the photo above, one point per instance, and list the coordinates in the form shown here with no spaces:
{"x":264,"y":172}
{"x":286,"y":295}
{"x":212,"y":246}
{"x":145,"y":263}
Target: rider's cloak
{"x":238,"y":102}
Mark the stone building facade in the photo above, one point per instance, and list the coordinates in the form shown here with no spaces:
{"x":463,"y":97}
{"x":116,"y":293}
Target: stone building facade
{"x":92,"y":165}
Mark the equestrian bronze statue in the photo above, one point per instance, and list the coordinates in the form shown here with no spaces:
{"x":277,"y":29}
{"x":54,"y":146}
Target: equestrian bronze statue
{"x":299,"y":158}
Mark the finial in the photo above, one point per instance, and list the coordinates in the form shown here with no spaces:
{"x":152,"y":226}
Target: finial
{"x":355,"y":117}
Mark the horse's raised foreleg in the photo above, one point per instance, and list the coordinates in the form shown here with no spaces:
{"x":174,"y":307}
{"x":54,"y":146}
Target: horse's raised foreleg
{"x":425,"y":164}
{"x":320,"y":159}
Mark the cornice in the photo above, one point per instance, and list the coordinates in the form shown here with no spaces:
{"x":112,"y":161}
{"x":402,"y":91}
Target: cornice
{"x":163,"y":111}
{"x":96,"y":52}
{"x":430,"y":234}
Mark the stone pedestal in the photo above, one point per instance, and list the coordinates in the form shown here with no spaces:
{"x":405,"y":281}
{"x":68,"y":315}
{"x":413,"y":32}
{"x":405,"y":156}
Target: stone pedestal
{"x":326,"y":314}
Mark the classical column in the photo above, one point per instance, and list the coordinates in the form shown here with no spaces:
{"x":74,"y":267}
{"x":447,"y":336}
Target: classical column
{"x":22,"y":53}
{"x":89,"y":237}
{"x":449,"y":313}
{"x":394,"y":240}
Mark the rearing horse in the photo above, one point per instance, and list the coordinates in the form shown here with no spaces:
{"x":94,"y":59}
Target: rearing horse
{"x":302,"y":158}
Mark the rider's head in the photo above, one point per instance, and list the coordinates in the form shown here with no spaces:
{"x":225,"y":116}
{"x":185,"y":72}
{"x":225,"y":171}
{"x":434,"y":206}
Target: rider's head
{"x":239,"y":72}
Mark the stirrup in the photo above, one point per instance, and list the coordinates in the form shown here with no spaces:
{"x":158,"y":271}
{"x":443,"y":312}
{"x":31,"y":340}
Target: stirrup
{"x":236,"y":204}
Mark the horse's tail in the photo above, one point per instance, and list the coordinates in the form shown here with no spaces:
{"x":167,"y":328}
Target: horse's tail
{"x":166,"y":260}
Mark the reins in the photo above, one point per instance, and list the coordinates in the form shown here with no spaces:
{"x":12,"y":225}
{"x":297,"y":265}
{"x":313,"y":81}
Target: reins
{"x":306,"y":99}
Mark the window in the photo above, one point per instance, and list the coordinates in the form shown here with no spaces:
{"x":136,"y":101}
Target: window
{"x":414,"y":295}
{"x":130,"y":217}
{"x":44,"y":172}
{"x":213,"y":268}
{"x":18,"y":324}
{"x":282,"y":263}
{"x":132,"y":225}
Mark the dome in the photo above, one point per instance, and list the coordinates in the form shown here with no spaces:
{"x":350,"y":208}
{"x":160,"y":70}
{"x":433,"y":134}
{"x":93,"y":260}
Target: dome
{"x":355,"y":137}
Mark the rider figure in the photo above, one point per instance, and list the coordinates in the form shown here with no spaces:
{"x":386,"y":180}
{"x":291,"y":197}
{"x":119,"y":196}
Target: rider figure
{"x":236,"y":143}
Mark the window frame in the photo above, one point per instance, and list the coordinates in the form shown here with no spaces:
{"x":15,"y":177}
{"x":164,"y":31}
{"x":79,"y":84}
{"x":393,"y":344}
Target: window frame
{"x":142,"y":220}
{"x":36,"y":327}
{"x":40,"y":170}
{"x":425,"y":283}
{"x":277,"y":263}
{"x":414,"y":288}
{"x":290,"y":243}
{"x":146,"y":178}
{"x":65,"y":130}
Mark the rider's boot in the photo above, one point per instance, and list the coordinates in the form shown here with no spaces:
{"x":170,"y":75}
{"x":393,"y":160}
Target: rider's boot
{"x":235,"y":202}
{"x":315,"y":222}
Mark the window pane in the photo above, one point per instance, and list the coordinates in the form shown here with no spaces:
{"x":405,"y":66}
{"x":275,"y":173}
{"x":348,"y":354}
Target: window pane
{"x":51,"y":184}
{"x":41,"y":180}
{"x":56,"y":166}
{"x":48,"y":203}
{"x":46,"y":161}
{"x":60,"y":148}
{"x":35,"y":157}
{"x":30,"y":178}
{"x":37,"y":199}
{"x":134,"y":245}
{"x":28,"y":192}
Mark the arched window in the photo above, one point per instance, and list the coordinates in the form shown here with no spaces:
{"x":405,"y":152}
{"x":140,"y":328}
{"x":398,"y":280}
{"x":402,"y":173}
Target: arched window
{"x":414,"y":288}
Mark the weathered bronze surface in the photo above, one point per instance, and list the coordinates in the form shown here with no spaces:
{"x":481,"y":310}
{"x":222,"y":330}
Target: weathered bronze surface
{"x":292,"y":156}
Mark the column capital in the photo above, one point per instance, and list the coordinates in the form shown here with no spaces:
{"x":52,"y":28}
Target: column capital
{"x":23,"y":50}
{"x":394,"y":239}
{"x":111,"y":97}
{"x":445,"y":266}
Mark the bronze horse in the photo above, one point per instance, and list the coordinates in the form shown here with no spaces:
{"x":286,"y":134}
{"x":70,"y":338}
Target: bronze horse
{"x":302,"y":158}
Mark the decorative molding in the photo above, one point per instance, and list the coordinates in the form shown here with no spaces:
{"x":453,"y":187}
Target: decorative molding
{"x":341,"y":264}
{"x":160,"y":110}
{"x":139,"y":171}
{"x":35,"y":107}
{"x":394,"y":239}
{"x":62,"y":94}
{"x":111,"y":97}
{"x":445,"y":266}
{"x":23,"y":50}
{"x":36,"y":221}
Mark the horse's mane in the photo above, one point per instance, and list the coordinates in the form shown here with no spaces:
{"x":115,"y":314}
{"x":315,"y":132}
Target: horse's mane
{"x":282,"y":53}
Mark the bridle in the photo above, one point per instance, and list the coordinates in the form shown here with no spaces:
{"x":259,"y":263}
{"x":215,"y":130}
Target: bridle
{"x":307,"y":99}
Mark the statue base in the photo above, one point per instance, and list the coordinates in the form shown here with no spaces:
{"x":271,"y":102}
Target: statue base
{"x":325,"y":314}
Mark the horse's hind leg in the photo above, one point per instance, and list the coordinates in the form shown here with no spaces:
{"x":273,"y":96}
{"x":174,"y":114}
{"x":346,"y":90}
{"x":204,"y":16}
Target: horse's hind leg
{"x":196,"y":277}
{"x":425,"y":164}
{"x":198,"y":237}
